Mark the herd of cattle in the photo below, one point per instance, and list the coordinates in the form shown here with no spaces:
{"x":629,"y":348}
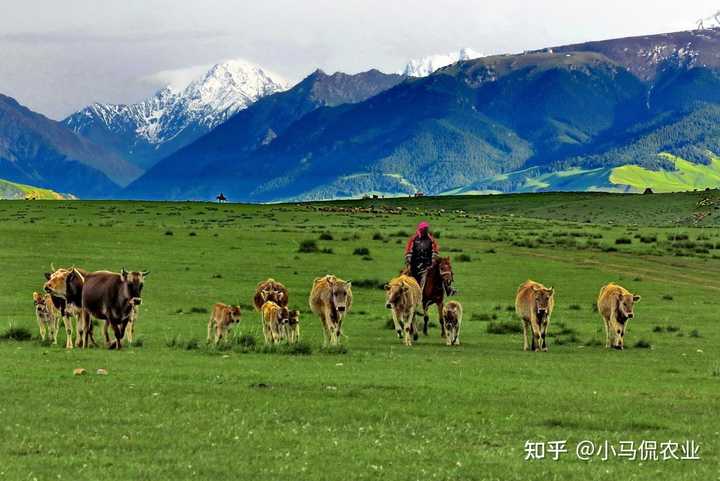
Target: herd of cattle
{"x":76,"y":294}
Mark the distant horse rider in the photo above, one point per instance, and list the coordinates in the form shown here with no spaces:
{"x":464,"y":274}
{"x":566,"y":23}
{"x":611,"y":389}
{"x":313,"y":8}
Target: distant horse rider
{"x":420,"y":252}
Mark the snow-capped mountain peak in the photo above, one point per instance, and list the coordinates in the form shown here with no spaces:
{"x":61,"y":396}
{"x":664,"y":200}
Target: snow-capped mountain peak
{"x":174,"y":117}
{"x":425,"y":66}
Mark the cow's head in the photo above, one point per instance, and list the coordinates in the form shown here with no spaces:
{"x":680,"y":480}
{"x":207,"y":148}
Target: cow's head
{"x":272,"y":295}
{"x":234,"y":314}
{"x":283,"y":316}
{"x":394,"y":294}
{"x":38,"y":299}
{"x":543,"y":301}
{"x":451,"y":319}
{"x":340,"y":294}
{"x":57,"y":281}
{"x":625,"y":311}
{"x":134,"y":282}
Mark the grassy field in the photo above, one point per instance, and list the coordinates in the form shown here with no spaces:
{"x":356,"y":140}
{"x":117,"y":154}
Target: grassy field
{"x":173,"y":409}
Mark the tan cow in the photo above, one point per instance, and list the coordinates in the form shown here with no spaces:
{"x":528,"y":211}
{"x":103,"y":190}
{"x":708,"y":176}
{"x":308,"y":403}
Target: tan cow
{"x":616,"y":306}
{"x":534,"y":304}
{"x":47,"y":316}
{"x":221,"y":320}
{"x":65,"y":288}
{"x":331,"y":299}
{"x":452,"y":319}
{"x":403,"y":298}
{"x":275,"y":320}
{"x":292,"y":328}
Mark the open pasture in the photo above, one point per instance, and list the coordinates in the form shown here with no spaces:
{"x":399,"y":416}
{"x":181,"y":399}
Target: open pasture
{"x":173,"y":408}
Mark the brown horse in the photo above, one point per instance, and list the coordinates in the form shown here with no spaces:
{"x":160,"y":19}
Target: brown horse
{"x":438,"y":283}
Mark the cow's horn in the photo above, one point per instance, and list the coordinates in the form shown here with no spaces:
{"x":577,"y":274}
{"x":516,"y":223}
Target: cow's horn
{"x":145,"y":273}
{"x":52,"y":266}
{"x":82,"y":279}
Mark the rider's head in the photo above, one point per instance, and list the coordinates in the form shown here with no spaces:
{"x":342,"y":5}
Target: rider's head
{"x":423,"y":228}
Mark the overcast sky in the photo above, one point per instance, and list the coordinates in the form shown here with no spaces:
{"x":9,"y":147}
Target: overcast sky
{"x":58,"y":56}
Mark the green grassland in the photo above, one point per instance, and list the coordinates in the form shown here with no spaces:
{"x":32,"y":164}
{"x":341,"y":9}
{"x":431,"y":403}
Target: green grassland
{"x":173,"y":409}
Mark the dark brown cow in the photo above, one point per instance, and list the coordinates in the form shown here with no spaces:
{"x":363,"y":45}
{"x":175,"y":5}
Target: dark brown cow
{"x":111,"y":297}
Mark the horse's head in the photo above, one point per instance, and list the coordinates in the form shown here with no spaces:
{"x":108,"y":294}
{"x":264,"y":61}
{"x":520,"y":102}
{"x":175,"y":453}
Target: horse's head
{"x":446,"y":272}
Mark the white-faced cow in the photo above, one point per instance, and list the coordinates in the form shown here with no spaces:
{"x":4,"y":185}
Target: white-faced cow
{"x":65,"y":288}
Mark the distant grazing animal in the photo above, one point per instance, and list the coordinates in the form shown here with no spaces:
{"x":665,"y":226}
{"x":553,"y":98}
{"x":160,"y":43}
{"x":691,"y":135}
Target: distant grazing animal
{"x":616,"y":306}
{"x":65,"y":288}
{"x":403,"y":297}
{"x":275,"y":320}
{"x":270,"y":290}
{"x":111,"y":297}
{"x":331,"y":299}
{"x":221,"y":319}
{"x":221,"y":198}
{"x":292,"y":329}
{"x":534,"y":304}
{"x":47,"y":316}
{"x":452,"y":318}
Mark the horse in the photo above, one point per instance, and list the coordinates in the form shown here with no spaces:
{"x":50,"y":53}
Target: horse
{"x":438,"y":282}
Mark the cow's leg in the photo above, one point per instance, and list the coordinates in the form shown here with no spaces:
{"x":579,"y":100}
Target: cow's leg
{"x":130,"y":330}
{"x":407,"y":328}
{"x":209,"y":329}
{"x":68,"y":331}
{"x":543,"y":333}
{"x":106,"y":332}
{"x":607,"y":333}
{"x":41,"y":326}
{"x":440,"y":306}
{"x":525,"y":334}
{"x":396,"y":323}
{"x":82,"y":321}
{"x":118,"y":330}
{"x":411,"y":321}
{"x":536,"y":343}
{"x":55,"y":327}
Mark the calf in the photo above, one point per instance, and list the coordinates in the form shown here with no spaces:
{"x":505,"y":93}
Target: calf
{"x":534,"y":304}
{"x":47,"y":316}
{"x":65,"y":288}
{"x":275,"y":320}
{"x":452,"y":319}
{"x":221,"y":319}
{"x":616,"y":306}
{"x":331,"y":299}
{"x":403,"y":297}
{"x":112,"y":298}
{"x":292,"y":328}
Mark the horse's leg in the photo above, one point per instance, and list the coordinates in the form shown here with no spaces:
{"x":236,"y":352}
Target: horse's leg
{"x":426,"y":318}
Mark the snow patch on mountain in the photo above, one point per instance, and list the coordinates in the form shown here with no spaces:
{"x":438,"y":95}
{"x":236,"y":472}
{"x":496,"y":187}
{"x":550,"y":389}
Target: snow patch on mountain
{"x":206,"y":102}
{"x":425,"y":66}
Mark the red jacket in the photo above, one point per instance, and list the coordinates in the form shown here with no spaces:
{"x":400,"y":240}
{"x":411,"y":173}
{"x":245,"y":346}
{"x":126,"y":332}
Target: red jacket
{"x":408,"y":247}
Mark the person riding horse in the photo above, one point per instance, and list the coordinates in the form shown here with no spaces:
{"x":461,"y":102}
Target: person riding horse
{"x":421,"y":251}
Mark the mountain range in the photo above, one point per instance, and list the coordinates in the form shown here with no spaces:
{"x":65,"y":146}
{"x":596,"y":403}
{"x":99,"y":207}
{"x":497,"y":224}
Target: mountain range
{"x":620,"y":114}
{"x":150,"y":130}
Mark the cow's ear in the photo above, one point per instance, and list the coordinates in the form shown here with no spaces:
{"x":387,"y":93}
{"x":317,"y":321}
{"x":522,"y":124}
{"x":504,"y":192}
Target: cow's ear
{"x":348,"y":284}
{"x":551,"y":291}
{"x":636,"y":298}
{"x":48,"y":275}
{"x":280,"y":296}
{"x":124,"y":274}
{"x":387,"y":287}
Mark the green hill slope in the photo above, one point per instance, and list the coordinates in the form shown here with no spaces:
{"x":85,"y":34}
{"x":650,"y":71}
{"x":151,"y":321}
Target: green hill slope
{"x":11,"y":190}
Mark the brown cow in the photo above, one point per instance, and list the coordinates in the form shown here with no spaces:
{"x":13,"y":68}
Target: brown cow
{"x":452,"y":318}
{"x":403,"y":298}
{"x":534,"y":304}
{"x":616,"y":306}
{"x":270,"y":290}
{"x":47,"y":316}
{"x":221,"y":319}
{"x":275,"y":320}
{"x":111,"y":297}
{"x":292,"y":329}
{"x":331,"y":299}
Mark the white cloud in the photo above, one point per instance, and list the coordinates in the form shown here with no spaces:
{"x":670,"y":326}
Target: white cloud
{"x":178,"y":78}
